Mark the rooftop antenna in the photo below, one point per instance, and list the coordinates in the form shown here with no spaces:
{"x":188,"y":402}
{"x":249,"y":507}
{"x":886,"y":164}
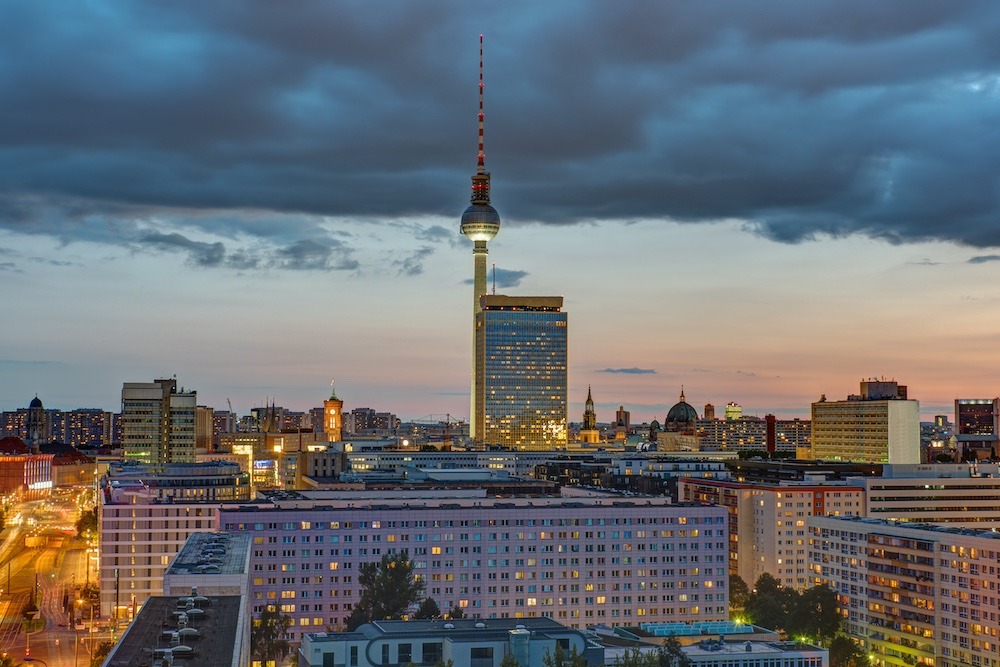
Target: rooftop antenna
{"x":494,"y":278}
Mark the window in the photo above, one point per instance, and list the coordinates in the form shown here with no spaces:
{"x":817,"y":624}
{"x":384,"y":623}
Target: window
{"x":405,"y":654}
{"x":354,"y":657}
{"x":432,"y":653}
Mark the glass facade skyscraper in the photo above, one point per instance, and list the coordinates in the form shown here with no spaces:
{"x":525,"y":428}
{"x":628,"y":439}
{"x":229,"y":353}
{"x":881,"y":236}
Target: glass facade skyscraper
{"x":520,"y":395}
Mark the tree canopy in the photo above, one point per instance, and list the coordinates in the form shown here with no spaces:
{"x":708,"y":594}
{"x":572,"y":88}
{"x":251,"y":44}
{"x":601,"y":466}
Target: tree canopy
{"x":388,"y":589}
{"x":814,"y":613}
{"x":267,"y":636}
{"x":428,"y":609}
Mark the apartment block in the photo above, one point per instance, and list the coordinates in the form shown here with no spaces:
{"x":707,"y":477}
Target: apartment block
{"x":579,"y":561}
{"x":767,"y":522}
{"x":912,"y":594}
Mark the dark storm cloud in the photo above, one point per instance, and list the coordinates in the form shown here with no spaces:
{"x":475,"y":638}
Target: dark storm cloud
{"x":984,"y":259}
{"x":629,"y":371}
{"x":828,"y":118}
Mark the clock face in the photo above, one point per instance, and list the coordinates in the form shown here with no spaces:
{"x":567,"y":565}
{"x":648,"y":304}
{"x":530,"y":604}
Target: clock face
{"x":333,"y":411}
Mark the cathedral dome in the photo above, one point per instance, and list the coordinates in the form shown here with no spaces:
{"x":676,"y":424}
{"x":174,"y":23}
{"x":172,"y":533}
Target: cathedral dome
{"x":682,"y":412}
{"x":35,"y":403}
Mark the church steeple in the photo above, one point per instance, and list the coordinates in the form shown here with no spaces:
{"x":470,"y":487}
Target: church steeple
{"x":589,"y":416}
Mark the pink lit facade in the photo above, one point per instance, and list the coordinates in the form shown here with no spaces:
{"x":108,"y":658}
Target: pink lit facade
{"x":580,"y":561}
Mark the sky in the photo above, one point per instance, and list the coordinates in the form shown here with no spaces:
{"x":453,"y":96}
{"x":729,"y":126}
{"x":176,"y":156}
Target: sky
{"x":761,"y":202}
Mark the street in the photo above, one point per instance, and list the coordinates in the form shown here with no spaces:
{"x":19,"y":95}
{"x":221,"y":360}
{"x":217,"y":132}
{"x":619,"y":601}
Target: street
{"x":40,"y":552}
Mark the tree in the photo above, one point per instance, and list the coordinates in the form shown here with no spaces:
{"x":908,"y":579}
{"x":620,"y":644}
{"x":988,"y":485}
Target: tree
{"x":815,"y":614}
{"x":86,"y":525}
{"x":101,"y":652}
{"x":560,"y":658}
{"x":672,"y":655}
{"x":10,"y":661}
{"x":388,"y":589}
{"x":845,"y":653}
{"x":739,"y":592}
{"x":267,"y":636}
{"x":508,"y":661}
{"x":456,"y":612}
{"x":428,"y":609}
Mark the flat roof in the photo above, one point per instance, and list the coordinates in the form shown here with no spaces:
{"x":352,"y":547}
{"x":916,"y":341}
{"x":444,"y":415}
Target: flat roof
{"x":714,"y":647}
{"x":212,"y":554}
{"x":459,"y":629}
{"x":214,"y":645}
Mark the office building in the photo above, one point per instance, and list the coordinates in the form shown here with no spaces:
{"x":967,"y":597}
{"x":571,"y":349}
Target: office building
{"x":147,"y":513}
{"x":879,"y":425}
{"x":459,"y":641}
{"x":158,"y":422}
{"x":912,"y":594}
{"x":977,"y":427}
{"x":521,"y":363}
{"x":580,"y":561}
{"x":204,"y":429}
{"x":767,"y":522}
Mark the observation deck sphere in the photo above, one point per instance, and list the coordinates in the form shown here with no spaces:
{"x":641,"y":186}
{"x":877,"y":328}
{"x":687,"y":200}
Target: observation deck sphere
{"x":480,"y":222}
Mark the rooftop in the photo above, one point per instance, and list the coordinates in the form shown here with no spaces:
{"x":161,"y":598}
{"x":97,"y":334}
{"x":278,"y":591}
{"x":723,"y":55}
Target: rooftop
{"x":212,"y":554}
{"x":457,"y":629}
{"x":213,"y":644}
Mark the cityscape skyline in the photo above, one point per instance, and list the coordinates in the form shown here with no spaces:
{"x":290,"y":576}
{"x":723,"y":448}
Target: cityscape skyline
{"x":762,"y":211}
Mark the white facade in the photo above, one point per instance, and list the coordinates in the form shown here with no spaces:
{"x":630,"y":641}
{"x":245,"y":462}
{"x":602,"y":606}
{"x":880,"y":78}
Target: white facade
{"x":913,"y":595}
{"x":966,"y":495}
{"x":475,"y":643}
{"x":866,"y":431}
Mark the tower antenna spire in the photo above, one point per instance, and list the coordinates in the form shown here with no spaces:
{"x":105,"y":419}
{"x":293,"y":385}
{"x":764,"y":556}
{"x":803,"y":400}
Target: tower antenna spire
{"x":481,"y":179}
{"x":481,"y":156}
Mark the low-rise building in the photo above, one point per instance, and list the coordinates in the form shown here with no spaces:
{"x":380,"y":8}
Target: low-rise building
{"x":475,"y":643}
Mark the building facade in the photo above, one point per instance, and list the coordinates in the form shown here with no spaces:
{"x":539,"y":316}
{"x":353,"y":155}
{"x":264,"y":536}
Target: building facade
{"x":912,"y":595}
{"x":158,"y":422}
{"x":767,"y":522}
{"x":146,"y":515}
{"x":521,"y":373}
{"x":578,"y":561}
{"x":977,"y":427}
{"x":879,"y":425}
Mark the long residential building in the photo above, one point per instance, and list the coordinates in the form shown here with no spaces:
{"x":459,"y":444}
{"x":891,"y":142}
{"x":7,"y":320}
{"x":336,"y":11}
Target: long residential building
{"x":579,"y":561}
{"x":912,"y":594}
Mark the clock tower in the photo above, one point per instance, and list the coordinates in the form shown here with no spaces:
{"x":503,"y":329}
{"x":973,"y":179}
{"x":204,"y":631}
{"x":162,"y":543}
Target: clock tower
{"x":333,"y":420}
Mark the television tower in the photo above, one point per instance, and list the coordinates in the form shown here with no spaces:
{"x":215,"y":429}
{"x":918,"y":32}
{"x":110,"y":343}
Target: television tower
{"x":480,"y":223}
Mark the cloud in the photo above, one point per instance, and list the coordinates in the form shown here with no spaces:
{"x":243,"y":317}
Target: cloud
{"x":984,"y":259}
{"x":503,"y":278}
{"x":629,"y":371}
{"x":247,"y":123}
{"x":413,"y":265}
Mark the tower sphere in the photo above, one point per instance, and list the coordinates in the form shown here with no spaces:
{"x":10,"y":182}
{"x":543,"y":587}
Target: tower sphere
{"x":480,"y":222}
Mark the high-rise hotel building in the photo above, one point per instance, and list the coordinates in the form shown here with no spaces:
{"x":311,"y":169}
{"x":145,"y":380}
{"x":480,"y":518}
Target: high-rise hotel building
{"x":520,"y":373}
